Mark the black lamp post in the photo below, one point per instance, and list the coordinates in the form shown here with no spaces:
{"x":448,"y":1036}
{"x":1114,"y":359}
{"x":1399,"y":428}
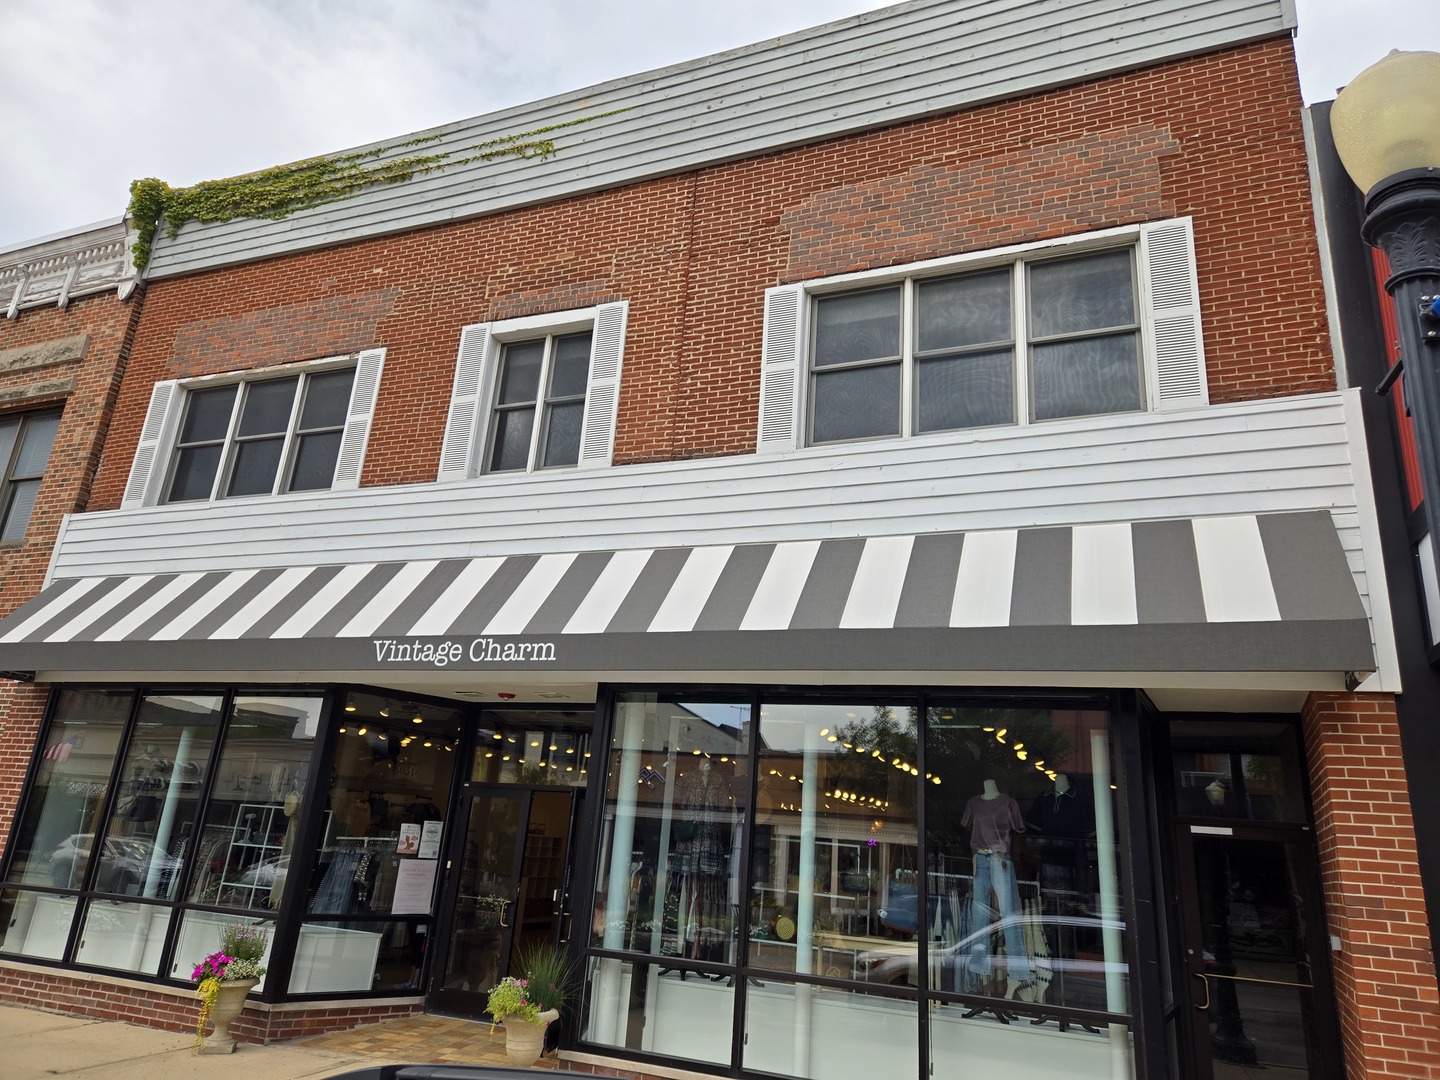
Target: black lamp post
{"x":1386,"y":125}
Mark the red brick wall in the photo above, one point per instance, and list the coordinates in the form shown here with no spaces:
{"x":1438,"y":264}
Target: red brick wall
{"x":1217,"y":137}
{"x":1385,"y":989}
{"x":22,"y":706}
{"x":106,"y":322}
{"x":174,"y":1008}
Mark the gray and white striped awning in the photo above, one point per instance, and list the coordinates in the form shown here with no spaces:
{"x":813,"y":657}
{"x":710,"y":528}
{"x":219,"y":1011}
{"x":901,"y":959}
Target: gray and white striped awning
{"x":1252,"y":593}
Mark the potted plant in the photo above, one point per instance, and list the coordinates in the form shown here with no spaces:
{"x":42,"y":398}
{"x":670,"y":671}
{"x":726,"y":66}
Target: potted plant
{"x":224,"y":979}
{"x":528,"y":1004}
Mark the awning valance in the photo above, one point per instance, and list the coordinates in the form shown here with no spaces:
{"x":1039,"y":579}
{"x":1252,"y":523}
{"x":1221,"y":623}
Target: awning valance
{"x":1248,"y":593}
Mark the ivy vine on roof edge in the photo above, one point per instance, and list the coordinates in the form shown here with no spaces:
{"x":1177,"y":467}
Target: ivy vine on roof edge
{"x":278,"y":192}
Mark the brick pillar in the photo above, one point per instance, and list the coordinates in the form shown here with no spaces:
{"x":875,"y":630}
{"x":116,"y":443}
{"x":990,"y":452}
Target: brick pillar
{"x":22,"y":705}
{"x":1385,"y":988}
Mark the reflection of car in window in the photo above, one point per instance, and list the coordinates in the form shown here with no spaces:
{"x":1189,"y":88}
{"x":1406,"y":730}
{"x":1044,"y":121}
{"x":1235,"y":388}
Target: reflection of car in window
{"x":1076,"y":974}
{"x":125,"y":863}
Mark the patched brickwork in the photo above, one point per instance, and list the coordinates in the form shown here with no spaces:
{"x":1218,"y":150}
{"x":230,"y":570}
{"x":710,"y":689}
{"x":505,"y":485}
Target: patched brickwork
{"x":329,"y":327}
{"x":1033,"y":193}
{"x":1385,"y":988}
{"x":1217,"y":137}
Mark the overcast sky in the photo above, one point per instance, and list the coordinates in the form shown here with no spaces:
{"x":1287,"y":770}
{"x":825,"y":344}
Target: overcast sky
{"x":94,"y":93}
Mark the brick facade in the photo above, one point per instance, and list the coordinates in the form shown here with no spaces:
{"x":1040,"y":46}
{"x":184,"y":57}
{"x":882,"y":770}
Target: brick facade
{"x":1217,"y":137}
{"x":1385,"y":985}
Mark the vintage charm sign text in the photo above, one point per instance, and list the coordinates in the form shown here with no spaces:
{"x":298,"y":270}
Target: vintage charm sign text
{"x":480,"y":650}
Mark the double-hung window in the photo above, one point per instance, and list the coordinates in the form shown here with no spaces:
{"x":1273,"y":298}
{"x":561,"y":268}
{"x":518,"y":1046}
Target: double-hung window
{"x":1095,"y":325}
{"x":535,"y":393}
{"x":25,"y":442}
{"x":296,"y":429}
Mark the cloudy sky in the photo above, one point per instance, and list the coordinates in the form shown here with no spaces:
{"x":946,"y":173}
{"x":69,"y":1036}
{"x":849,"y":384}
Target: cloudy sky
{"x":94,"y":93}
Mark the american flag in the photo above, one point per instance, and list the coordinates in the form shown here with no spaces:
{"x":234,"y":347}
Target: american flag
{"x":61,"y":751}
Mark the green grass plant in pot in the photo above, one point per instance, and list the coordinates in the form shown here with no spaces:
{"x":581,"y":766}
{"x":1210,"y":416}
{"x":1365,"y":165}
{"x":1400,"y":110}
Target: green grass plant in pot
{"x":527,"y":1004}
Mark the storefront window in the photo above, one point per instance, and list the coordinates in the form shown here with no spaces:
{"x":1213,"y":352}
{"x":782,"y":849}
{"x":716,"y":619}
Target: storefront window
{"x":532,"y":746}
{"x":160,"y":783}
{"x":379,"y":847}
{"x":833,"y":858}
{"x":53,"y":841}
{"x":669,"y":870}
{"x":1025,"y":915}
{"x":243,"y":857}
{"x":1245,"y":770}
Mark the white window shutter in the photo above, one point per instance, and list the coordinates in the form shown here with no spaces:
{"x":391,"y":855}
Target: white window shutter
{"x":357,"y":419}
{"x":465,"y":420}
{"x":1172,"y":308}
{"x":780,"y":369}
{"x":602,"y":396}
{"x":147,"y":470}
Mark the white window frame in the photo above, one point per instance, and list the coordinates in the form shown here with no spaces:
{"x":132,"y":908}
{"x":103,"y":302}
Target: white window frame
{"x":1172,"y":350}
{"x":472,"y":396}
{"x":153,"y":465}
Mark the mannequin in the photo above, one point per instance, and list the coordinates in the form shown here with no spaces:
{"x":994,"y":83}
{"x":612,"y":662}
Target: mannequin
{"x":994,"y":818}
{"x":1064,"y":818}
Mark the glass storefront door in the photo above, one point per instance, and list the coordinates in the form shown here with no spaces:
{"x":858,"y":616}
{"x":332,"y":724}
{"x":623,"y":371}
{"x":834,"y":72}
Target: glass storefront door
{"x":1250,"y":920}
{"x":508,"y":868}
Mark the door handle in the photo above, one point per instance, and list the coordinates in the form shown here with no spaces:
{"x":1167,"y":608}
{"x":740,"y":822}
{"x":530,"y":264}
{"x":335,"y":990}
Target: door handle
{"x":1206,"y":983}
{"x":503,"y":908}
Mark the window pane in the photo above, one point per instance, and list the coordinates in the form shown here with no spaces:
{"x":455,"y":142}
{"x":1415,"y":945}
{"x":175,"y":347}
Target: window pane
{"x":125,"y":936}
{"x":327,"y":397}
{"x":571,"y":366}
{"x":1237,"y":770}
{"x":35,"y":447}
{"x":856,"y":403}
{"x":847,"y":1033}
{"x":512,"y":440}
{"x":36,"y":924}
{"x":643,"y":1006}
{"x":520,"y":372}
{"x":255,"y":467}
{"x":195,"y":473}
{"x":200,"y":933}
{"x":521,"y":747}
{"x":562,"y":435}
{"x":833,"y":858}
{"x":315,"y":458}
{"x":17,"y":515}
{"x":61,"y":815}
{"x":1075,"y":295}
{"x":250,"y":823}
{"x":973,"y":309}
{"x":267,"y":406}
{"x":207,"y":414}
{"x":144,"y":844}
{"x":973,"y":390}
{"x":388,"y":771}
{"x":1087,"y":377}
{"x":860,"y":326}
{"x":9,"y":432}
{"x":676,"y":791}
{"x":1022,"y":858}
{"x":331,"y":957}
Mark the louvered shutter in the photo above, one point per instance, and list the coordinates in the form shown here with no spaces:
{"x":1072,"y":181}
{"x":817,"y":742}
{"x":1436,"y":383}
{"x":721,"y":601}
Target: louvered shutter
{"x":780,"y":369}
{"x":602,"y":396}
{"x":1172,"y":307}
{"x":357,"y":419}
{"x":463,"y":424}
{"x":146,"y":470}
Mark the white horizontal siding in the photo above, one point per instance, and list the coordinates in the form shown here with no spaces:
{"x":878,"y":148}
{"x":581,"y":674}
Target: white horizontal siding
{"x":899,"y":63}
{"x":1256,"y":457}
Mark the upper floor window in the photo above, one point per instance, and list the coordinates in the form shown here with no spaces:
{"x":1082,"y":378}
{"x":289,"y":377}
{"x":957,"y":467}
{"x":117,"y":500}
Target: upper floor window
{"x":535,"y":393}
{"x":1093,"y":325}
{"x":25,"y":442}
{"x":540,"y":403}
{"x":261,"y":438}
{"x":302,"y":428}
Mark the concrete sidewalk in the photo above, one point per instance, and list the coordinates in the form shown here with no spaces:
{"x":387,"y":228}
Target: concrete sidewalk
{"x":36,"y":1045}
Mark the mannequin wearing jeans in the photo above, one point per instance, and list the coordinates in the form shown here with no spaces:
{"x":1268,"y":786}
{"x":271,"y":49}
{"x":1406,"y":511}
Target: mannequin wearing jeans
{"x":993,"y":818}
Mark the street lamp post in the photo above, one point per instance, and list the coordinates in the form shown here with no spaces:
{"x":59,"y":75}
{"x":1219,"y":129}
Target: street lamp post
{"x":1386,"y":125}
